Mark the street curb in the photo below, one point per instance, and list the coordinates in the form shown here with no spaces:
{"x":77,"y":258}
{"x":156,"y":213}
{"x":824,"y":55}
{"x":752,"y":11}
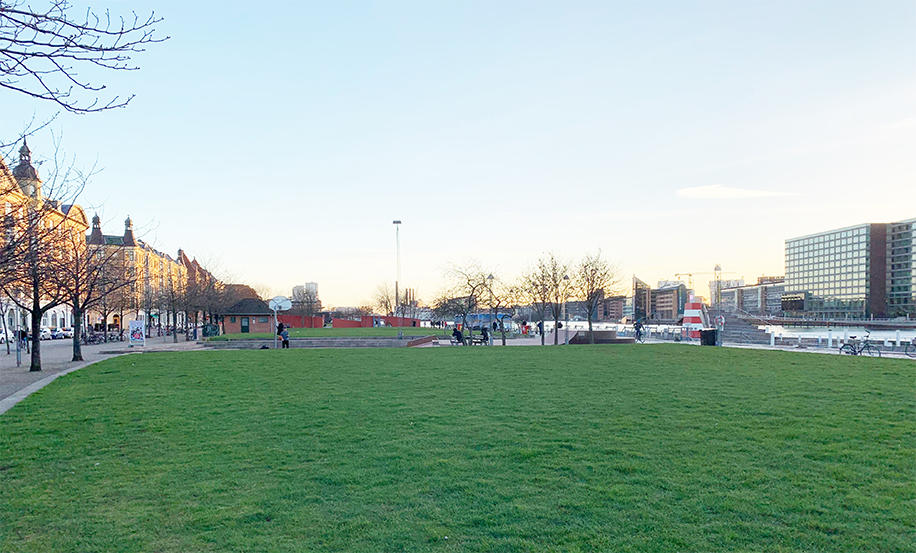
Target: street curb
{"x":11,"y":400}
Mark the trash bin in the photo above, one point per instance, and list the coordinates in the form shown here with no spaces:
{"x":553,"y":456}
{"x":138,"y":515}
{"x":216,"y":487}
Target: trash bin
{"x":708,"y":337}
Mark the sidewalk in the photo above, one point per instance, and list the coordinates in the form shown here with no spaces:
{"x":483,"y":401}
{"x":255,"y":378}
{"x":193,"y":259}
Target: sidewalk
{"x":55,"y":361}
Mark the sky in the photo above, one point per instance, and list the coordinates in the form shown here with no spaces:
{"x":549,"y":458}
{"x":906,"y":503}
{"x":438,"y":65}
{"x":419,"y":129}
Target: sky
{"x":277,"y":141}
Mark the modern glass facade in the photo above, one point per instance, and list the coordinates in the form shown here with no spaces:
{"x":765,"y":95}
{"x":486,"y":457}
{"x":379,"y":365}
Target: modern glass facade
{"x":832,"y":270}
{"x":901,"y":268}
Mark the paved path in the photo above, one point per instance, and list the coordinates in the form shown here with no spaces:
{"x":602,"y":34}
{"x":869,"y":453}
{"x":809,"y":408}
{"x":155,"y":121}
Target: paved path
{"x":16,"y":383}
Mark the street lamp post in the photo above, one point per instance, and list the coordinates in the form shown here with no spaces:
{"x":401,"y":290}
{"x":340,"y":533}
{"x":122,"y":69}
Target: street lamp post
{"x":490,"y":330}
{"x":566,"y":308}
{"x":397,"y":278}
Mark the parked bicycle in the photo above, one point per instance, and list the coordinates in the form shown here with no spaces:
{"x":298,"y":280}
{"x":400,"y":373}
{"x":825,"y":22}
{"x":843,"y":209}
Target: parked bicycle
{"x":862,"y":347}
{"x":91,"y":339}
{"x":910,"y":348}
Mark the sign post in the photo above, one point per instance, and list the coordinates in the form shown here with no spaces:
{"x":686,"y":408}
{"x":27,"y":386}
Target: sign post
{"x":720,"y":327}
{"x":137,"y":333}
{"x":279,"y":303}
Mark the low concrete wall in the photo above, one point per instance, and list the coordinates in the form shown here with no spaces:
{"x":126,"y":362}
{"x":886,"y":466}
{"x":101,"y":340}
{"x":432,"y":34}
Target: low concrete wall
{"x":601,"y":337}
{"x":330,"y":342}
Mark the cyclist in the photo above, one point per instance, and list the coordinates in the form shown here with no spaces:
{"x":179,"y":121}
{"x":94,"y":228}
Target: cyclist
{"x":637,"y":327}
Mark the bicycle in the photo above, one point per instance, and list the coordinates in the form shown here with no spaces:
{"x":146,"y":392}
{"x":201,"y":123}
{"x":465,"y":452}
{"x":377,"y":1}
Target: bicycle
{"x":639,"y":335}
{"x":910,"y":348}
{"x":864,"y":347}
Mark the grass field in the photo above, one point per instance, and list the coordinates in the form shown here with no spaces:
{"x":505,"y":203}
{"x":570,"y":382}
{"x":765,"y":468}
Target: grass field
{"x":332,"y":332}
{"x":592,"y":448}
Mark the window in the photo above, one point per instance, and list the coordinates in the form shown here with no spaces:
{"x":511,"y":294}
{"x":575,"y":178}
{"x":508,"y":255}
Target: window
{"x":262,"y":319}
{"x":231,"y":319}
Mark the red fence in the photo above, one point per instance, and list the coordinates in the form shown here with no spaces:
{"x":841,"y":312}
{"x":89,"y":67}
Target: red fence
{"x":370,"y":321}
{"x":301,"y":321}
{"x":345,"y":323}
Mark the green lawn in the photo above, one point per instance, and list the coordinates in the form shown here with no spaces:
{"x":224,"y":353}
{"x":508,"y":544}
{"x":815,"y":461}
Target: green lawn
{"x":591,"y":448}
{"x":331,"y":332}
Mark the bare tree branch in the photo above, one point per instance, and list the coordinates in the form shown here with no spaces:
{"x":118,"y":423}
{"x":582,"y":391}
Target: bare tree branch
{"x":42,"y":51}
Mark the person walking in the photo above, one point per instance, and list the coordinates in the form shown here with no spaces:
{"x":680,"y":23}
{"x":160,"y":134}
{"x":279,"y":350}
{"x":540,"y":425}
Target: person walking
{"x":284,"y":335}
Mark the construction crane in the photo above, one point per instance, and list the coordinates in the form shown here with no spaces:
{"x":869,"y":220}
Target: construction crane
{"x":717,"y":271}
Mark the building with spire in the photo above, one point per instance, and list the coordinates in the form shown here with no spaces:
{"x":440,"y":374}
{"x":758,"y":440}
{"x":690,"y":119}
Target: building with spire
{"x":24,"y":204}
{"x":159,"y":283}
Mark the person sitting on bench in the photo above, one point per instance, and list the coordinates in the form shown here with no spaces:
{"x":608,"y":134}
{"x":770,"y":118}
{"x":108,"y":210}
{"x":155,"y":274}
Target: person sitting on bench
{"x":458,"y":336}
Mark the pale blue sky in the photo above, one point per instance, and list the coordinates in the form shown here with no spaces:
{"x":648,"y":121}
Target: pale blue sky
{"x":278,"y":140}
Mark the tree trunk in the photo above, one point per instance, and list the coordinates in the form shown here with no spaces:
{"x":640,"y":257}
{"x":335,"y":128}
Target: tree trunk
{"x":6,"y":332}
{"x":464,"y":319}
{"x":77,"y":332}
{"x":542,"y":330}
{"x":556,"y":330}
{"x":35,"y":363}
{"x":591,"y":336}
{"x":174,"y":326}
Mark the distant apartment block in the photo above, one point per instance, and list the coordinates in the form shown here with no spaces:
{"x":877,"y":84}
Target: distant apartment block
{"x":901,"y":268}
{"x":763,"y":298}
{"x":716,"y":286}
{"x":668,"y":302}
{"x":611,"y":308}
{"x":860,"y":271}
{"x":665,"y":303}
{"x":310,"y":288}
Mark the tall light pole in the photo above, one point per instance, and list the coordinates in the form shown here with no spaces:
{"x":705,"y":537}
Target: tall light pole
{"x":397,"y":278}
{"x":566,"y":306}
{"x":489,"y":330}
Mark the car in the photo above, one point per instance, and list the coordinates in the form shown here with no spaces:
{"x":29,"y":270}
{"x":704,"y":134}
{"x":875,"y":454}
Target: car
{"x":68,"y":332}
{"x":7,"y":336}
{"x":57,"y":334}
{"x":44,"y":333}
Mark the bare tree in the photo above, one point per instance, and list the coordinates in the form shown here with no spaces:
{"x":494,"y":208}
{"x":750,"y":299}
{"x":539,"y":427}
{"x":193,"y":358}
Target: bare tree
{"x":47,"y":51}
{"x":174,"y":296}
{"x":28,"y":283}
{"x":534,"y":290}
{"x":306,"y":302}
{"x":501,"y":297}
{"x":552,"y":274}
{"x":384,"y":299}
{"x":89,"y":278}
{"x":464,"y":296}
{"x":37,"y":226}
{"x":594,"y":277}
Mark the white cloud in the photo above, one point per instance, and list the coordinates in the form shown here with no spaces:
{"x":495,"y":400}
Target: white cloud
{"x":719,"y":192}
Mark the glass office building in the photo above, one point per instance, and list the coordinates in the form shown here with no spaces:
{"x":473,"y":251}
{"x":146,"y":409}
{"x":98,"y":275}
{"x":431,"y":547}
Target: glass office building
{"x":831,"y":272}
{"x":901,"y":268}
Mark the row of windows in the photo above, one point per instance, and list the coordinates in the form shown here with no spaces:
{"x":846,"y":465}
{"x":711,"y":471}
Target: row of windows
{"x":826,"y":290}
{"x":827,"y":237}
{"x":822,"y":276}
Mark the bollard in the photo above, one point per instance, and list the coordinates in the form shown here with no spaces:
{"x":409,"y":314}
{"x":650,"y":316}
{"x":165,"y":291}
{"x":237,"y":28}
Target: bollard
{"x":898,"y":338}
{"x":829,"y":339}
{"x":845,"y":334}
{"x":772,"y":339}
